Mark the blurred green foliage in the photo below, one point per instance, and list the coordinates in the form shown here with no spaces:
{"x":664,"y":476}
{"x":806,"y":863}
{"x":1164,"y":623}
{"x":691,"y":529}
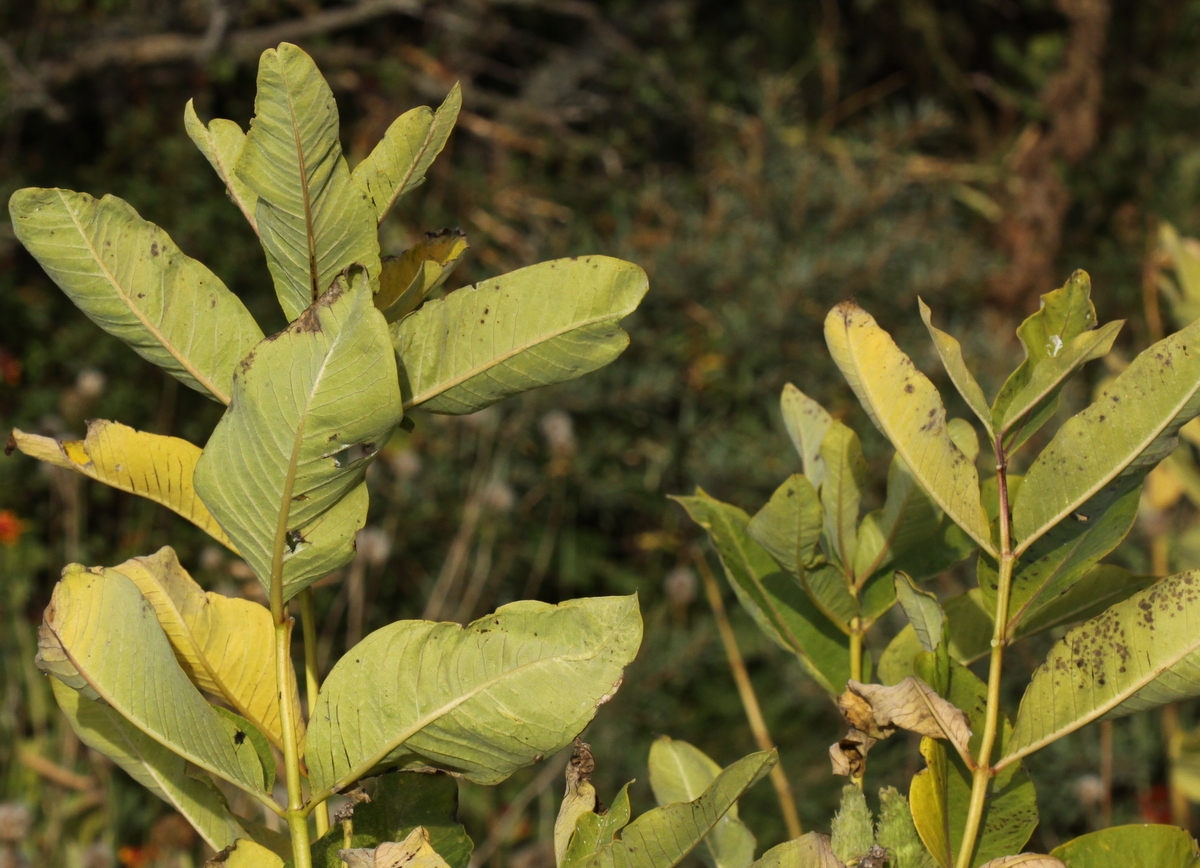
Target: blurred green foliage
{"x":761,"y":160}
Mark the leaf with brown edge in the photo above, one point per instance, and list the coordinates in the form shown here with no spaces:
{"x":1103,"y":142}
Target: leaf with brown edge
{"x":415,"y":851}
{"x":152,"y":466}
{"x":912,"y":704}
{"x":225,"y":644}
{"x":907,"y":408}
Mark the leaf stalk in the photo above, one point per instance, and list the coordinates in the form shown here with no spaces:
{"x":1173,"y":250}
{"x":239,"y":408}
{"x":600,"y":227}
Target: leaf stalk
{"x":312,"y":684}
{"x":983,"y":773}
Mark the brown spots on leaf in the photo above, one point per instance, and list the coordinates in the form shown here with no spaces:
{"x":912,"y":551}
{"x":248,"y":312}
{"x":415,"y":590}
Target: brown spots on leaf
{"x":154,"y":248}
{"x":909,"y":388}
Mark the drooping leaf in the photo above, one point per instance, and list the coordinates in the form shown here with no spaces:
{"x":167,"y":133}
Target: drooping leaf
{"x":407,"y":280}
{"x":222,"y":142}
{"x":950,"y":352}
{"x":408,"y":148}
{"x":680,"y":772}
{"x":101,"y":638}
{"x":313,"y":220}
{"x":400,"y":803}
{"x":789,"y":526}
{"x":852,"y":832}
{"x":1139,"y":654}
{"x":896,"y":833}
{"x":131,"y":279}
{"x":780,"y":608}
{"x":152,"y":466}
{"x":224,"y":644}
{"x":494,"y":696}
{"x":1064,"y":554}
{"x":923,"y":611}
{"x":1137,"y":846}
{"x":661,"y":838}
{"x":536,"y":326}
{"x":906,"y":407}
{"x":1091,"y":455}
{"x":912,"y":704}
{"x":156,"y":768}
{"x":808,"y":851}
{"x":310,"y":408}
{"x":841,"y":492}
{"x":806,"y":422}
{"x":414,"y":851}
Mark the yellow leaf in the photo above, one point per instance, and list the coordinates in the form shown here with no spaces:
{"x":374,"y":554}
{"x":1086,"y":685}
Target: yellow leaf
{"x":927,"y":798}
{"x":245,"y":854}
{"x":907,"y":408}
{"x":224,"y":644}
{"x":152,"y":466}
{"x":407,"y":279}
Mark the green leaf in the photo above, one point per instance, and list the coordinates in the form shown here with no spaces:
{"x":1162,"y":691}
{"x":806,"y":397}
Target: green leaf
{"x":311,"y":406}
{"x":923,"y":612}
{"x":313,"y":220}
{"x":536,"y":326}
{"x":789,"y":526}
{"x":841,"y":492}
{"x":131,"y":279}
{"x":969,"y":631}
{"x":680,"y":772}
{"x":807,"y":851}
{"x":494,"y":696}
{"x":1141,"y":653}
{"x":250,"y":734}
{"x":399,"y":803}
{"x":155,"y":767}
{"x":595,"y":830}
{"x":1062,"y":316}
{"x":1064,"y":554}
{"x":780,"y":608}
{"x":895,"y":831}
{"x":1092,"y":455}
{"x":806,"y":422}
{"x":853,"y":829}
{"x":406,"y":280}
{"x":662,"y":837}
{"x":101,"y":638}
{"x":950,"y":352}
{"x":906,"y":407}
{"x":826,"y":586}
{"x":1131,"y":847}
{"x":1102,"y":586}
{"x":222,"y":142}
{"x":408,"y":148}
{"x":907,"y":522}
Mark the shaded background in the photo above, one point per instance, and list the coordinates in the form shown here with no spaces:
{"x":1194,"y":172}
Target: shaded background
{"x":761,"y":160}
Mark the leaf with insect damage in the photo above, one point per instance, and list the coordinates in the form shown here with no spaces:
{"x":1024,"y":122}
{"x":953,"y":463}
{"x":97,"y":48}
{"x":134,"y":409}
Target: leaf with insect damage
{"x":408,"y":279}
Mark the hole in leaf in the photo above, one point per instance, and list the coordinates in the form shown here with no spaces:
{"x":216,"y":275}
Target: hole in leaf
{"x":353,"y":454}
{"x":293,"y":539}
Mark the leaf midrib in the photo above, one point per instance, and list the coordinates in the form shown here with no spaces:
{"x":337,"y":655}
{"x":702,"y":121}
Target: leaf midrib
{"x":141,"y":317}
{"x":444,"y":386}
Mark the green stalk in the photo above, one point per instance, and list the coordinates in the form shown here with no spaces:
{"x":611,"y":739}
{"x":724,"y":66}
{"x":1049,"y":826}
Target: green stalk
{"x":856,"y":649}
{"x":982,"y":776}
{"x":296,"y":815}
{"x":312,"y":684}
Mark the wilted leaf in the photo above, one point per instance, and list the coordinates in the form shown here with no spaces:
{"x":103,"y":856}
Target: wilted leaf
{"x":789,"y":526}
{"x":131,"y":279}
{"x":906,"y":407}
{"x":781,"y":609}
{"x":408,"y":148}
{"x":414,"y":851}
{"x":1139,"y":654}
{"x":225,"y":644}
{"x":1091,"y":456}
{"x":155,"y":767}
{"x":662,"y":837}
{"x":1025,"y":860}
{"x":406,"y":280}
{"x":152,"y":466}
{"x":313,"y":220}
{"x":680,"y":772}
{"x":495,"y":696}
{"x":950,"y":352}
{"x":912,"y":704}
{"x":222,"y":142}
{"x":1137,"y":846}
{"x":311,"y":406}
{"x":806,"y":422}
{"x":100,"y":637}
{"x":533,"y":327}
{"x":807,"y":851}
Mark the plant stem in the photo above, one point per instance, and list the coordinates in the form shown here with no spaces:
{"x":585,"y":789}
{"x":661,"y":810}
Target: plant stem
{"x":758,"y":726}
{"x":297,"y":816}
{"x":312,"y":683}
{"x":982,"y":776}
{"x":856,"y":649}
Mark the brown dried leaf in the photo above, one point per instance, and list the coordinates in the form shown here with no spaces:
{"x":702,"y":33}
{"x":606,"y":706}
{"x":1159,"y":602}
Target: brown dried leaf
{"x":414,"y":851}
{"x":1025,"y":860}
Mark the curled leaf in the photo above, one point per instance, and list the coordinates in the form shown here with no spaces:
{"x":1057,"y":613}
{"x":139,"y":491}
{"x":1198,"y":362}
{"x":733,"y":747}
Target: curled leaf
{"x":415,"y":851}
{"x":1026,"y":860}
